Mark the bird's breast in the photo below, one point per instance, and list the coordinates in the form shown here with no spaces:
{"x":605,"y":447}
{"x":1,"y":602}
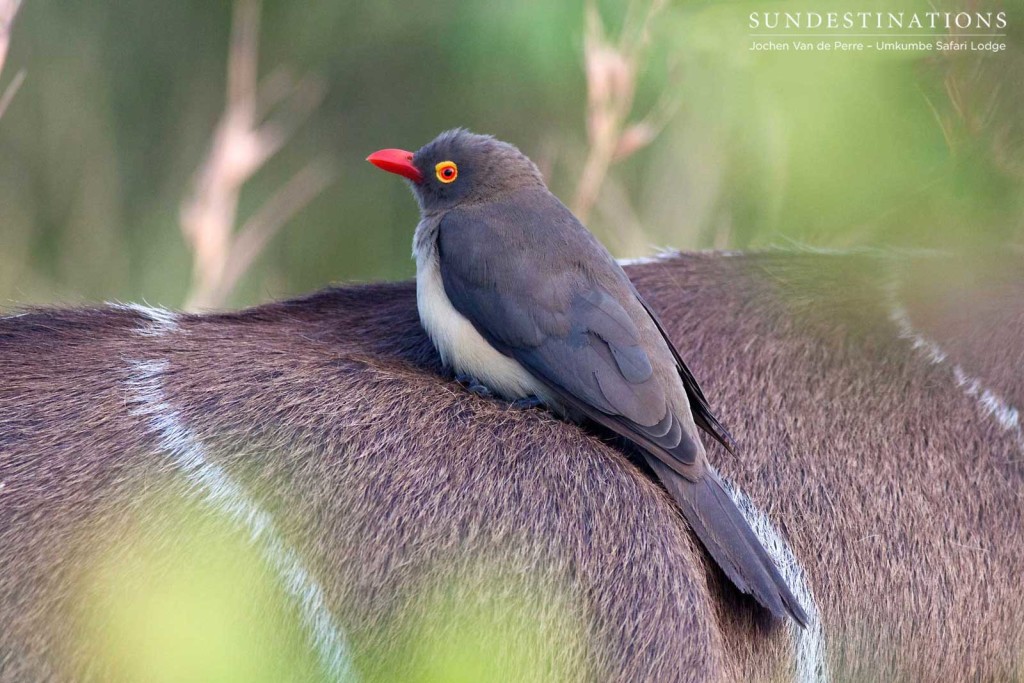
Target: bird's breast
{"x":460,"y":345}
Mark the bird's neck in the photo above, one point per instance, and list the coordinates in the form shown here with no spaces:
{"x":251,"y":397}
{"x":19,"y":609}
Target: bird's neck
{"x":424,"y":241}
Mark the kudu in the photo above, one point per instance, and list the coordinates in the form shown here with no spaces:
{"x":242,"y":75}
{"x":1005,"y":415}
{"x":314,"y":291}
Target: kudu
{"x":871,"y":394}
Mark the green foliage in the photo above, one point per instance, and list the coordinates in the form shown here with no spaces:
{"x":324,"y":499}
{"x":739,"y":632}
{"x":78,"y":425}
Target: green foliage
{"x":99,"y":146}
{"x":179,"y":593}
{"x":485,"y":625}
{"x":183,"y":596}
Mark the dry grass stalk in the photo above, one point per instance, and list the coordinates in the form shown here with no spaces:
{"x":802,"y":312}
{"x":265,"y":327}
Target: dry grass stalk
{"x":8,"y":10}
{"x":258,"y":120}
{"x":612,"y":69}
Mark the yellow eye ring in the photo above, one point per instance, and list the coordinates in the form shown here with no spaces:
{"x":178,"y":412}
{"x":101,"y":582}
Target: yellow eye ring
{"x":446,"y":171}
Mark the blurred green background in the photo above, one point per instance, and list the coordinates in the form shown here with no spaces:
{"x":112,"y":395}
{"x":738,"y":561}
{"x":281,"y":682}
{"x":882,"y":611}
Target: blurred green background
{"x":100,"y":145}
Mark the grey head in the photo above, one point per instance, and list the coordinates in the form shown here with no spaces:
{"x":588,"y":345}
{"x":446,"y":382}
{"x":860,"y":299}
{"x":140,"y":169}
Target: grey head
{"x":459,"y":167}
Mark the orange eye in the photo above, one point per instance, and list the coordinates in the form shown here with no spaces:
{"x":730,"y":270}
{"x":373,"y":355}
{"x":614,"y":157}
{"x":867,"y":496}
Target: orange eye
{"x":446,"y":171}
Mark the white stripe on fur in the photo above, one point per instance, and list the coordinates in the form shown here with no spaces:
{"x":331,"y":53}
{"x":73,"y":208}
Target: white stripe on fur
{"x":808,"y":642}
{"x":989,"y":402}
{"x":660,"y":254}
{"x":668,"y":253}
{"x":220,"y":491}
{"x":161,"y":321}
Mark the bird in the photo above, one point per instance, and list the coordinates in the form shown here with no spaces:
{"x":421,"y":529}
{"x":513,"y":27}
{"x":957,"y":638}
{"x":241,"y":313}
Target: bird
{"x":521,"y":299}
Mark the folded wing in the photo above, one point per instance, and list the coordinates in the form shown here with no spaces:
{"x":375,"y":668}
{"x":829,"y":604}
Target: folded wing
{"x":582,"y":344}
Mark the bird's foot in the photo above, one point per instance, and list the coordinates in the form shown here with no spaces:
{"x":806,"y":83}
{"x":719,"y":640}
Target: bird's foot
{"x":474,"y":385}
{"x":526,"y":403}
{"x":478,"y":388}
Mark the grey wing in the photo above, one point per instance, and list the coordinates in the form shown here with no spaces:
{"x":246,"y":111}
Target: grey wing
{"x":699,"y":406}
{"x":586,"y":349}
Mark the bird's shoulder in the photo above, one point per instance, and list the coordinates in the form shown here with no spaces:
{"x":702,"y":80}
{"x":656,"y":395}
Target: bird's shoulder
{"x":530,"y":219}
{"x":529,"y":233}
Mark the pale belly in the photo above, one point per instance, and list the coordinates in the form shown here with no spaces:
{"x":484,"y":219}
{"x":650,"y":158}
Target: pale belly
{"x":461,"y":347}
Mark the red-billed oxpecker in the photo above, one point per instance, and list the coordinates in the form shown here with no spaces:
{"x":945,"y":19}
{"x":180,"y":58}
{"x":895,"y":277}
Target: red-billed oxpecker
{"x":523,"y":301}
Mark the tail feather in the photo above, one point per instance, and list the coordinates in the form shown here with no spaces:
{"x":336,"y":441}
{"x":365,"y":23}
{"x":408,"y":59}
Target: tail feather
{"x":725,"y":533}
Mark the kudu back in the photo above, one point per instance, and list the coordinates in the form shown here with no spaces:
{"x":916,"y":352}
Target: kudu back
{"x":873,"y":397}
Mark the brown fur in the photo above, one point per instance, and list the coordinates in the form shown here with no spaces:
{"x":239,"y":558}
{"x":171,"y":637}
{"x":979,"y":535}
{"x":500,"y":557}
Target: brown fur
{"x":898,"y":494}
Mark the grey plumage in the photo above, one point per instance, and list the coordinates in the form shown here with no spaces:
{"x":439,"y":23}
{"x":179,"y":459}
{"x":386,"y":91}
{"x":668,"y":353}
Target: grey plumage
{"x":536,"y":286}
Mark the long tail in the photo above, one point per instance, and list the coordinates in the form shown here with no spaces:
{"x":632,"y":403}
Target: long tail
{"x":725,"y":533}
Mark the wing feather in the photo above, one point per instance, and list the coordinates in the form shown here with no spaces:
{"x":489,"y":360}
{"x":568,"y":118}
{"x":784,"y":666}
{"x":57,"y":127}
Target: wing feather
{"x":585,"y":347}
{"x":699,"y":406}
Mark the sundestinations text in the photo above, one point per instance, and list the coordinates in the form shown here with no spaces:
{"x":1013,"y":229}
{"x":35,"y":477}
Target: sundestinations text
{"x":878,"y":20}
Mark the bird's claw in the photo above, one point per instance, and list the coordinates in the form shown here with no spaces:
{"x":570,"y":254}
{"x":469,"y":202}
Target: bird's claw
{"x":480,"y":390}
{"x":526,"y":403}
{"x":474,"y":385}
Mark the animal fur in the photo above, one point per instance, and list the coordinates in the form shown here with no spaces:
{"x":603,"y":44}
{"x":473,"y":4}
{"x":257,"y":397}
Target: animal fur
{"x":874,"y":399}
